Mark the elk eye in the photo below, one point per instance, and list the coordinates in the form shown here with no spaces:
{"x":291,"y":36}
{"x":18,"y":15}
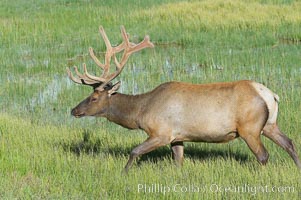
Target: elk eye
{"x":93,"y":99}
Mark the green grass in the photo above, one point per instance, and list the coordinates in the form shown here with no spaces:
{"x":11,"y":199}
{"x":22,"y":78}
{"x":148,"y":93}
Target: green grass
{"x":47,"y":154}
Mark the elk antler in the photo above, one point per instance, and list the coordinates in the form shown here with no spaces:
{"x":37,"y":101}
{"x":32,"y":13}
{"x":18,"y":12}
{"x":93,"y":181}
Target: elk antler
{"x":100,"y":82}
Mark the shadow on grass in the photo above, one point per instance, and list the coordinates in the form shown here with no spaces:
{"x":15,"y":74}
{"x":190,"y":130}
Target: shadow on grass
{"x":94,"y":146}
{"x":194,"y":154}
{"x":84,"y":146}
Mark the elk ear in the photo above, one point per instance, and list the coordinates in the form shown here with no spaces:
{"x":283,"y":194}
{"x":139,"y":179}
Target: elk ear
{"x":114,"y":88}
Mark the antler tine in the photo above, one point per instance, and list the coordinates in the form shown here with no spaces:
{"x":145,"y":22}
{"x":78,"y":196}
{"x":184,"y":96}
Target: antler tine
{"x":78,"y":73}
{"x":128,"y":50}
{"x":105,"y":38}
{"x":144,"y":44}
{"x":109,"y":53}
{"x":91,"y":51}
{"x":131,"y":48}
{"x":94,"y":78}
{"x":126,"y":43}
{"x":83,"y":78}
{"x":76,"y":80}
{"x":105,"y":78}
{"x":125,"y":36}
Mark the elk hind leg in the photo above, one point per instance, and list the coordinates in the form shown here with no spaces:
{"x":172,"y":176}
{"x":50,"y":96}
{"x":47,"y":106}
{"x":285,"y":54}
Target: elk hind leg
{"x":252,"y":138}
{"x":273,"y":132}
{"x":178,"y":152}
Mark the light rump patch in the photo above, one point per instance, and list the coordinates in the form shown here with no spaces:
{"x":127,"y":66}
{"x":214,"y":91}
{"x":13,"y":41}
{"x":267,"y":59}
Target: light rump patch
{"x":271,"y":99}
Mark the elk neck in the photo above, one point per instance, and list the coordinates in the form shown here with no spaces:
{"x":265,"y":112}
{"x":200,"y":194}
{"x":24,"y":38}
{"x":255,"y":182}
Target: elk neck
{"x":124,"y":109}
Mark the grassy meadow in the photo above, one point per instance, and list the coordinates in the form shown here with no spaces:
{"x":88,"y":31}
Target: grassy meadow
{"x":45,"y":153}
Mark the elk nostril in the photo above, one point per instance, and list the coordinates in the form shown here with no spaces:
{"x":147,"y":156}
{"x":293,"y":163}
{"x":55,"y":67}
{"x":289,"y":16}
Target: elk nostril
{"x":73,"y":111}
{"x":76,"y":113}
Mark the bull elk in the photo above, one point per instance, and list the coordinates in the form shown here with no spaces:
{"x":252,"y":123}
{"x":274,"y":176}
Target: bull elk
{"x":176,"y":112}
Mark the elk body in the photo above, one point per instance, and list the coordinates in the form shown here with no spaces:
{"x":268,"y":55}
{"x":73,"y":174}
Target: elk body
{"x":176,"y":112}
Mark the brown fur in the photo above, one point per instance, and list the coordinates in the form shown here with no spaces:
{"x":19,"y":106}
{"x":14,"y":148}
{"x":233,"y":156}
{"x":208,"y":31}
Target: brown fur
{"x":176,"y":112}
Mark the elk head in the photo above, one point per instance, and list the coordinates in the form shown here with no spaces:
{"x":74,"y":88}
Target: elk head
{"x":97,"y":103}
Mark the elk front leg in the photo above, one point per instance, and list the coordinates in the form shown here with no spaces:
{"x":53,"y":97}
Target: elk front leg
{"x":149,"y":145}
{"x":178,"y":152}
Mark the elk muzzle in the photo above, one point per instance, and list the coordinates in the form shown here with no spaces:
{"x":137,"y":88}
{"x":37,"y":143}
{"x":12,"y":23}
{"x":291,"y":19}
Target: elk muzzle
{"x":76,"y":113}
